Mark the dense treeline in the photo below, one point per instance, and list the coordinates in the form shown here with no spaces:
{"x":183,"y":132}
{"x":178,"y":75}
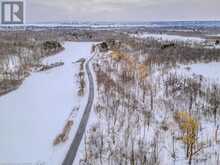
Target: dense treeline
{"x":147,"y":115}
{"x":165,"y":53}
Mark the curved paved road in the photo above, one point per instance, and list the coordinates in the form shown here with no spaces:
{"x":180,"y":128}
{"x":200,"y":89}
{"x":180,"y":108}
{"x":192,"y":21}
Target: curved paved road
{"x":83,"y":123}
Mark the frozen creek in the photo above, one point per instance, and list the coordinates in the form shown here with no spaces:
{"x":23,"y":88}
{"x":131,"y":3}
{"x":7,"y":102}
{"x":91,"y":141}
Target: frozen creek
{"x":32,"y":116}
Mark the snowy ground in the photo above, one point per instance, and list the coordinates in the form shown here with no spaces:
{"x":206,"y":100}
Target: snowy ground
{"x":11,"y":64}
{"x":207,"y":70}
{"x":32,"y":116}
{"x":214,"y":35}
{"x":116,"y":131}
{"x":167,"y":37}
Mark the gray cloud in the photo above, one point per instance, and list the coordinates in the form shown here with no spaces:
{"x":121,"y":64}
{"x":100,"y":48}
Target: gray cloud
{"x":121,"y":10}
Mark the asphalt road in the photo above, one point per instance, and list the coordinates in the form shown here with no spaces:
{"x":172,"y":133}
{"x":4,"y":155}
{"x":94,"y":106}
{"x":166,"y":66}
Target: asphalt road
{"x":69,"y":159}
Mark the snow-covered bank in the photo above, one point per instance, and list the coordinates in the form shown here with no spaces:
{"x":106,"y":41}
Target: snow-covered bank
{"x":32,"y":116}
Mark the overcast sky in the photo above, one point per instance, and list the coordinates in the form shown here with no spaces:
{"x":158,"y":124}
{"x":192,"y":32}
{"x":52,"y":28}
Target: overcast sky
{"x":121,"y":10}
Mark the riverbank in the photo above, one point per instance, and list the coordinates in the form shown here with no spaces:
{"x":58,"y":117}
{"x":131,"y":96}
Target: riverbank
{"x":17,"y":64}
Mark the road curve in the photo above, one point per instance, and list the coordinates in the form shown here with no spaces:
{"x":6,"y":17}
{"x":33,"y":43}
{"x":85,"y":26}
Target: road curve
{"x":69,"y":159}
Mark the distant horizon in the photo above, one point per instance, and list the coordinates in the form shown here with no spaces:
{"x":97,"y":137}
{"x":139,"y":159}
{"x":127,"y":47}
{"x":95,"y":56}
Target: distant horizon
{"x":126,"y":21}
{"x":121,"y":10}
{"x":117,"y":24}
{"x":122,"y":22}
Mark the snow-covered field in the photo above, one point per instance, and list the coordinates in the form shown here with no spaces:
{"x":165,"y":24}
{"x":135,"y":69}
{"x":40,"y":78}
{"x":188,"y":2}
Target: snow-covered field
{"x":214,"y":35}
{"x":32,"y":116}
{"x":167,"y":37}
{"x":207,"y":70}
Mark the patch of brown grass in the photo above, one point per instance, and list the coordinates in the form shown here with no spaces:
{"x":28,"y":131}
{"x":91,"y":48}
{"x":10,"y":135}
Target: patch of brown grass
{"x":62,"y":138}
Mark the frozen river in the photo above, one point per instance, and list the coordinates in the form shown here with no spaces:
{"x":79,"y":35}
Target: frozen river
{"x":32,"y":116}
